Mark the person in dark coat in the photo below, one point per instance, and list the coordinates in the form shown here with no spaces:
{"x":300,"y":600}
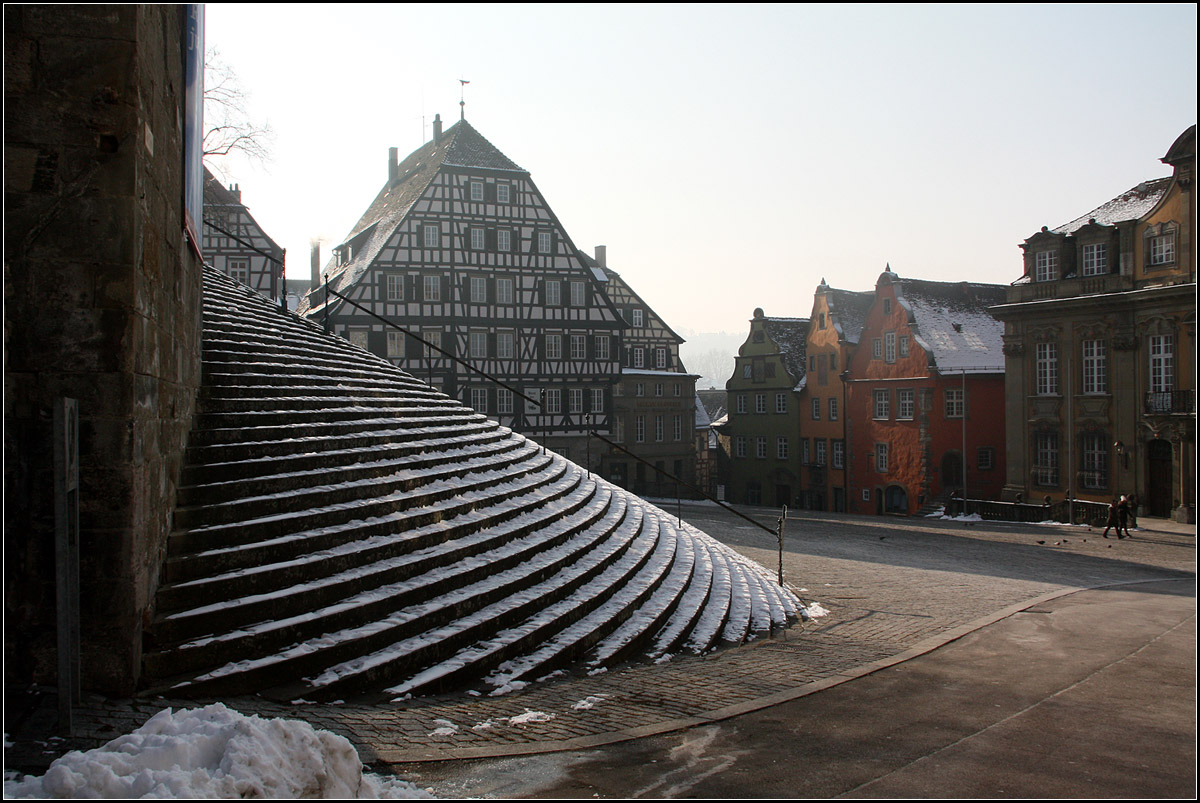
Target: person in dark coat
{"x":1123,"y":517}
{"x":1133,"y":506}
{"x":1113,"y":519}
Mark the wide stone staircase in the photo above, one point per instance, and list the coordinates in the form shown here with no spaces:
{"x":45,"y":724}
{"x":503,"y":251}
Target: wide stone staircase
{"x":344,"y":529}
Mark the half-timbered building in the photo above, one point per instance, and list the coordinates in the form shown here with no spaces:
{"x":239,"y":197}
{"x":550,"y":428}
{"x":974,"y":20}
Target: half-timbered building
{"x":460,"y":273}
{"x":234,"y":243}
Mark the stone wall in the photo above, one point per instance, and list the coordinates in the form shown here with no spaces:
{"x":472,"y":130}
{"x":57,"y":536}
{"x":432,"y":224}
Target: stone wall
{"x":102,"y":297}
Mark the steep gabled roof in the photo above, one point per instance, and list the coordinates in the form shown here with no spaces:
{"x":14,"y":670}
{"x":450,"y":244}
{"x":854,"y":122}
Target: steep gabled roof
{"x":950,"y":320}
{"x":217,"y":195}
{"x":606,"y":274}
{"x":791,"y":335}
{"x":849,"y":309}
{"x":459,"y":146}
{"x":1129,"y":205}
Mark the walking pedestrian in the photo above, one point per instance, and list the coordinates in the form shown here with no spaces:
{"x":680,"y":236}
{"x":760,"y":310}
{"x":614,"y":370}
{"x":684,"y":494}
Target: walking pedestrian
{"x":1133,"y":506}
{"x":1113,"y":519}
{"x":1123,"y":517}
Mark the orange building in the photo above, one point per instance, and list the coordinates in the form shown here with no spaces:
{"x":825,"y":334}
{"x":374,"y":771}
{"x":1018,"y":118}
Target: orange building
{"x":925,"y":397}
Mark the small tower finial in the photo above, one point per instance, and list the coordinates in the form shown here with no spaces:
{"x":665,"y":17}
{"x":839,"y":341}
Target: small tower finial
{"x":462,"y":103}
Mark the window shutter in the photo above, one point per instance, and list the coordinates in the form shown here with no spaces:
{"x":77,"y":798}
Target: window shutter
{"x":491,"y":238}
{"x":489,"y":192}
{"x":377,"y":343}
{"x":491,"y":344}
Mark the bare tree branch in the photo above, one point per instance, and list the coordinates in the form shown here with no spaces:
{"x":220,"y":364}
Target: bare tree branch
{"x":228,"y":125}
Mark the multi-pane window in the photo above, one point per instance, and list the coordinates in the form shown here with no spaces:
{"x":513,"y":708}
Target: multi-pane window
{"x":395,"y":343}
{"x":504,"y":401}
{"x":1046,"y":367}
{"x":433,"y":237}
{"x":575,"y":400}
{"x":805,"y":453}
{"x":639,"y":358}
{"x":903,"y":345}
{"x":543,"y":241}
{"x":1162,"y":363}
{"x":1045,"y":456}
{"x":876,"y":348}
{"x":677,"y":389}
{"x":678,"y":427}
{"x":504,"y":291}
{"x":781,"y":447}
{"x":741,"y":403}
{"x":395,"y":287}
{"x":905,"y":403}
{"x":578,"y":347}
{"x":986,"y":458}
{"x":553,"y":347}
{"x":597,"y":400}
{"x":239,"y":270}
{"x":882,"y":404}
{"x":816,"y":408}
{"x":478,"y":238}
{"x":577,"y":294}
{"x":478,"y":345}
{"x":1094,"y":454}
{"x":479,"y":399}
{"x":889,"y":346}
{"x":739,"y":446}
{"x":638,"y":317}
{"x":640,"y":430}
{"x":658,"y":388}
{"x":955,"y":403}
{"x":881,"y":458}
{"x":1045,"y":266}
{"x":478,"y":290}
{"x":760,"y":402}
{"x":839,"y":454}
{"x":505,"y":342}
{"x":781,"y":402}
{"x":833,"y":408}
{"x":553,"y":293}
{"x":1095,"y":259}
{"x":660,"y":358}
{"x":658,"y":428}
{"x":601,"y":343}
{"x":1162,"y":249}
{"x":503,"y":240}
{"x":476,"y":190}
{"x":639,"y":390}
{"x":1095,"y":366}
{"x":553,"y":400}
{"x":432,"y":287}
{"x":433,"y":338}
{"x":760,"y":448}
{"x":502,"y":193}
{"x":820,"y":448}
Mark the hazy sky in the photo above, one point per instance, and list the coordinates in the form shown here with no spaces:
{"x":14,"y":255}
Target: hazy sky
{"x":730,"y":157}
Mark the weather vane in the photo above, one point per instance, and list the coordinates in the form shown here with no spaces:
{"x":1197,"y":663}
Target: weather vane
{"x":462,"y":104}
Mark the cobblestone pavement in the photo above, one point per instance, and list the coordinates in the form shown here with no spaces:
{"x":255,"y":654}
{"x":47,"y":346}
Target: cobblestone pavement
{"x":893,"y":588}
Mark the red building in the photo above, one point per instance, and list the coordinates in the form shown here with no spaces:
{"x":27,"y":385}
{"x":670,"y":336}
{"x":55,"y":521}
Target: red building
{"x":925,"y":393}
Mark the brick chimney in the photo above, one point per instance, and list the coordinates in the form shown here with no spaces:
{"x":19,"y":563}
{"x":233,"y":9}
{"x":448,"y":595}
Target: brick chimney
{"x":393,"y":164}
{"x":437,"y":129}
{"x":602,"y":256}
{"x":316,"y":262}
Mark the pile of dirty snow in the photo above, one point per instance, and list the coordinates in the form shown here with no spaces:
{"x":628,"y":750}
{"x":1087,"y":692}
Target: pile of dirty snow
{"x":214,"y":752}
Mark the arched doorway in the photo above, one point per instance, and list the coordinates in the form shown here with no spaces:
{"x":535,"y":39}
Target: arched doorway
{"x":896,"y":499}
{"x":1160,"y":483}
{"x":952,"y":474}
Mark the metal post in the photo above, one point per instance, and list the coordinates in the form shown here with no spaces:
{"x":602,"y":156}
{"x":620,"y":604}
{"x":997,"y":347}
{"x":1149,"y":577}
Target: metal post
{"x":326,"y":305}
{"x":66,"y":525}
{"x":782,"y":519}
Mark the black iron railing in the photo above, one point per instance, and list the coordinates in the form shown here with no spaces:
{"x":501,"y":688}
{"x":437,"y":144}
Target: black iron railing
{"x":1171,"y":401}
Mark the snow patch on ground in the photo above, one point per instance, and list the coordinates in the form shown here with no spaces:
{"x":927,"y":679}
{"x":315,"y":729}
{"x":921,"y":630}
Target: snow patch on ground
{"x":214,"y":752}
{"x":530,"y":716}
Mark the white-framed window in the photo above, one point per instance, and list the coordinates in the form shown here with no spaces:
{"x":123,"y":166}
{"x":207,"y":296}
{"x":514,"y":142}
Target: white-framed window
{"x":478,"y":290}
{"x":1162,"y":363}
{"x":881,"y":458}
{"x":553,"y":400}
{"x":239,"y":270}
{"x":1045,"y":266}
{"x":760,"y":447}
{"x":905,"y":403}
{"x":432,"y":235}
{"x":1095,"y":366}
{"x":503,"y":240}
{"x":804,"y":451}
{"x":1045,"y":451}
{"x":660,"y":358}
{"x":677,"y":427}
{"x":544,"y":242}
{"x":476,"y":190}
{"x":1095,"y":259}
{"x":985,"y":458}
{"x":553,"y":347}
{"x":658,"y":389}
{"x":578,"y":347}
{"x":502,"y":192}
{"x":1094,"y":454}
{"x":739,"y":445}
{"x":640,"y":434}
{"x":781,"y":402}
{"x":478,"y":345}
{"x":395,"y":287}
{"x":434,"y":338}
{"x":1046,"y":368}
{"x":889,"y":347}
{"x":575,"y":400}
{"x":478,"y":238}
{"x":839,"y":454}
{"x":677,"y":389}
{"x":504,"y":401}
{"x":877,"y":348}
{"x":597,"y":400}
{"x":639,"y":389}
{"x":833,"y":408}
{"x":504,"y":291}
{"x":505,"y":345}
{"x":819,"y":447}
{"x":741,"y":403}
{"x":601,"y":343}
{"x":883,"y":405}
{"x":1162,"y":249}
{"x":639,"y":357}
{"x":658,"y":428}
{"x":395,"y":343}
{"x":903,"y":345}
{"x":553,"y":293}
{"x":760,"y":403}
{"x":638,"y":318}
{"x":816,"y":408}
{"x":479,"y":400}
{"x":577,"y":294}
{"x":781,"y":447}
{"x":432,"y":288}
{"x":955,"y":403}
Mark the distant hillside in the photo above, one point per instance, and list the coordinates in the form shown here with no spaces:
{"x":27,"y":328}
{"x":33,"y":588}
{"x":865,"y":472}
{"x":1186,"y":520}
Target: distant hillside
{"x":711,"y":355}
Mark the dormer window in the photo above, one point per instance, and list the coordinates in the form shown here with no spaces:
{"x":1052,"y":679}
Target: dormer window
{"x":1045,"y":266}
{"x":1095,"y":259}
{"x":1160,"y":245}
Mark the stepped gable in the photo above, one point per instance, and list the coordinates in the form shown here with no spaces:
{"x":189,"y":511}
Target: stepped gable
{"x":345,"y":530}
